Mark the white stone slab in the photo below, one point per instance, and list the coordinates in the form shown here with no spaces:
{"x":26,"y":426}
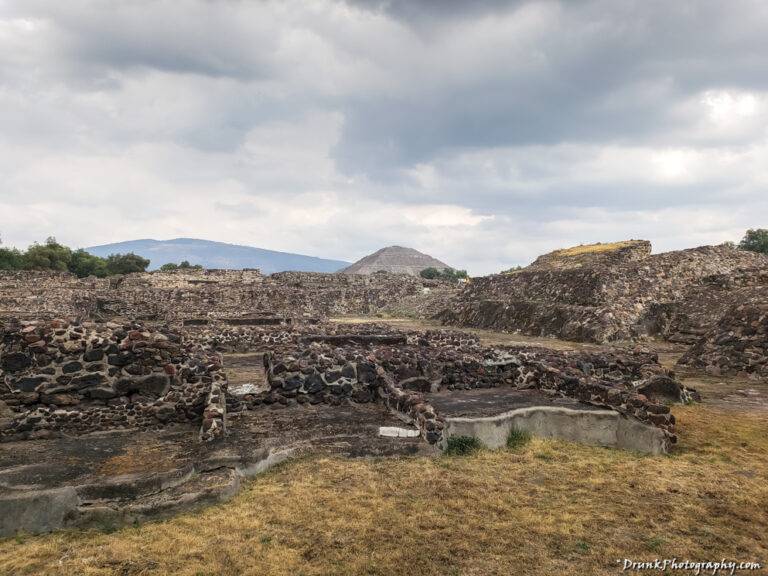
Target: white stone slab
{"x":396,"y":432}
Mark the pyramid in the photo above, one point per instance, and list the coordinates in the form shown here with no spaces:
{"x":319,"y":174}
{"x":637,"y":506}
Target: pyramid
{"x":395,"y":260}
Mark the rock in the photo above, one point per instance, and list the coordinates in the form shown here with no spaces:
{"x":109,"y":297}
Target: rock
{"x":661,"y":388}
{"x":103,"y":392}
{"x":164,"y":412}
{"x":59,"y":399}
{"x":155,"y":385}
{"x":94,"y":355}
{"x":15,"y":362}
{"x":88,"y":380}
{"x":71,"y":367}
{"x":121,"y":358}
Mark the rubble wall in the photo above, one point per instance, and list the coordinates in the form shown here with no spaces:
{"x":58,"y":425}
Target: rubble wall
{"x":737,"y":345}
{"x":70,"y":376}
{"x":606,"y":298}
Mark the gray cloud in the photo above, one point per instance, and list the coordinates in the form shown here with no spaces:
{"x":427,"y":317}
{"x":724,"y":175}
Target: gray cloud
{"x":483,"y":132}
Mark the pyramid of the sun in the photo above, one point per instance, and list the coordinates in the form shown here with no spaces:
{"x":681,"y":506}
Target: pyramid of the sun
{"x":396,"y":260}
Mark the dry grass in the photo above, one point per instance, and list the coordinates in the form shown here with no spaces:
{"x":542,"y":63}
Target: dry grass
{"x":546,"y":508}
{"x":592,"y":248}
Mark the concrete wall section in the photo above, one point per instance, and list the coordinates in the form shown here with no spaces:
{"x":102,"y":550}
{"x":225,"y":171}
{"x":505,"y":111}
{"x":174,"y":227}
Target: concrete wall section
{"x":595,"y":427}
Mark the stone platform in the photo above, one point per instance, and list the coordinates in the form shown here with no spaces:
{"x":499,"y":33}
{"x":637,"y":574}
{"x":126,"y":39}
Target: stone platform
{"x":109,"y":478}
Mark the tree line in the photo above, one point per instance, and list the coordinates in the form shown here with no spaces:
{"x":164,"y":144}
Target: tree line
{"x":51,"y":255}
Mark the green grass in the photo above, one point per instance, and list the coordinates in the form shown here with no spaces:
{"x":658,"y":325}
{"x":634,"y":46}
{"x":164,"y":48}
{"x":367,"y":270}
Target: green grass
{"x":517,"y":438}
{"x":462,"y":446}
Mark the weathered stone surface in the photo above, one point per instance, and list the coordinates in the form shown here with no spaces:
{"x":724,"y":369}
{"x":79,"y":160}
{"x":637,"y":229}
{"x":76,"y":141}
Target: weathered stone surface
{"x":15,"y":362}
{"x":605,"y":293}
{"x":37,"y":511}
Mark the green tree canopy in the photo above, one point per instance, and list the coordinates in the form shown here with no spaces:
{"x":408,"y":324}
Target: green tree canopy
{"x":126,"y":263}
{"x":11,"y":259}
{"x":54,"y":256}
{"x":755,"y":241}
{"x":185,"y":265}
{"x":84,"y":264}
{"x":48,"y":256}
{"x":448,"y":274}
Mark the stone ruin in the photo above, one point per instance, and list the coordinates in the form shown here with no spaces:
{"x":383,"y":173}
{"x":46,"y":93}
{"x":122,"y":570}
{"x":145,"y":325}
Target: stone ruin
{"x":737,"y":345}
{"x":152,"y":355}
{"x":604,"y":293}
{"x":77,"y":377}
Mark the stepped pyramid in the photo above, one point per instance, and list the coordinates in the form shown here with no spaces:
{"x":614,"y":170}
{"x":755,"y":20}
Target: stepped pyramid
{"x":396,"y":260}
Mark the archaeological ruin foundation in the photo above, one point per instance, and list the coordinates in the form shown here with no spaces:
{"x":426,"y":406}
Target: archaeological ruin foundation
{"x":221,"y":374}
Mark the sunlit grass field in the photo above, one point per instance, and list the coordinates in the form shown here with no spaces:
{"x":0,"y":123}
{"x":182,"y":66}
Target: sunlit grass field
{"x":546,"y":507}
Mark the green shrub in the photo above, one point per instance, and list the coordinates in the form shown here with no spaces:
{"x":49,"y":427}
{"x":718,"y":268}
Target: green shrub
{"x":448,"y":274}
{"x":185,"y":265}
{"x":517,"y":438}
{"x":755,"y":241}
{"x":126,"y":263}
{"x":84,"y":264}
{"x":48,"y":256}
{"x":11,"y":259}
{"x":462,"y":445}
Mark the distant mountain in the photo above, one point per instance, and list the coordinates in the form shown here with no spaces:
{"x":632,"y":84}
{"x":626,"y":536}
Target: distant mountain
{"x":395,"y":259}
{"x":217,"y":255}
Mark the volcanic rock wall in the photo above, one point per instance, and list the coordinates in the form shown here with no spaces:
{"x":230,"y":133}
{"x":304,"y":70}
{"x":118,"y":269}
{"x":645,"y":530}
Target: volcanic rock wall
{"x":70,"y":376}
{"x":737,"y":345}
{"x":612,"y":296}
{"x":213,"y":294}
{"x":705,"y":302}
{"x":628,"y":381}
{"x":37,"y":295}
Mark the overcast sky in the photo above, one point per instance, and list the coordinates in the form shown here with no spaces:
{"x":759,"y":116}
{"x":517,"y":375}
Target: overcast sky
{"x":482,"y":133}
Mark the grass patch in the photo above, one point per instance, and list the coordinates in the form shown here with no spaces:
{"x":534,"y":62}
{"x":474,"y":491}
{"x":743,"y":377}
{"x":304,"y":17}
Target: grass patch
{"x":489,"y":514}
{"x":462,"y":445}
{"x":655,"y":543}
{"x":517,"y":438}
{"x":593,"y":248}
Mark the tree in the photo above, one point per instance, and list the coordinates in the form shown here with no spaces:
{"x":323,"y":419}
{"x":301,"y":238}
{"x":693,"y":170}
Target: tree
{"x":448,"y":274}
{"x":185,"y":265}
{"x":11,"y":259}
{"x":84,"y":264}
{"x":126,"y":263}
{"x":755,"y":241}
{"x":48,"y":256}
{"x":430,"y":273}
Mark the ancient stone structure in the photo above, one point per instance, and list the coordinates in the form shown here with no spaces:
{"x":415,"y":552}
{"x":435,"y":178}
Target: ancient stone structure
{"x":604,"y":293}
{"x":147,"y":356}
{"x":179,"y":296}
{"x":737,"y":345}
{"x":68,"y":376}
{"x":395,"y":260}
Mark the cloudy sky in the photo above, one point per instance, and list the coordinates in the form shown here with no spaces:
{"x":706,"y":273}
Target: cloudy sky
{"x":483,"y":133}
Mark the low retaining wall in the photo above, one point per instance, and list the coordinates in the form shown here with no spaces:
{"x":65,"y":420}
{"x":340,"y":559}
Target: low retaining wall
{"x":595,"y":427}
{"x":130,"y":498}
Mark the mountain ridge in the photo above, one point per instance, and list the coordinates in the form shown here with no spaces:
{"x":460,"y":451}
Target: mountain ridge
{"x":214,"y":254}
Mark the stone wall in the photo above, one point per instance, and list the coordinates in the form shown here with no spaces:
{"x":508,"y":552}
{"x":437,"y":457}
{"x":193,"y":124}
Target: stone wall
{"x":631,"y":382}
{"x":737,"y":345}
{"x":73,"y":376}
{"x":173,"y":297}
{"x":602,"y":299}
